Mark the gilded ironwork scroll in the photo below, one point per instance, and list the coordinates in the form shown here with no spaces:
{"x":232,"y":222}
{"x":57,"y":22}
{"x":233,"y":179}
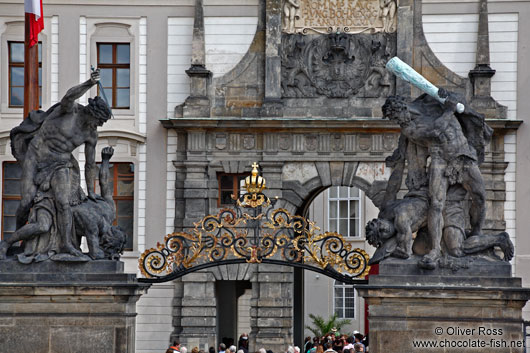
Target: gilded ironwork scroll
{"x":254,"y":232}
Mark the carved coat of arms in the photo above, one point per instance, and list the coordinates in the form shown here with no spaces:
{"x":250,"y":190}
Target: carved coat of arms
{"x":248,"y":142}
{"x":337,"y":65}
{"x":311,"y":143}
{"x":220,"y":141}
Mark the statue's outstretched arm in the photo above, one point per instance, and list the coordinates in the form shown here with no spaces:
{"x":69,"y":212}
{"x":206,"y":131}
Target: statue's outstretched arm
{"x":77,"y":91}
{"x":104,"y":175}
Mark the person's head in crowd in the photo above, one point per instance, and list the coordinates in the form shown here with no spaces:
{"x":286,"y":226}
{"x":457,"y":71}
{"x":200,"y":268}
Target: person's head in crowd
{"x":296,"y":349}
{"x":233,"y":349}
{"x":210,"y":350}
{"x":243,"y":340}
{"x":290,"y":349}
{"x":222,"y":347}
{"x":327,"y":345}
{"x":183,"y":349}
{"x":262,"y":350}
{"x":195,"y":350}
{"x":358,"y":347}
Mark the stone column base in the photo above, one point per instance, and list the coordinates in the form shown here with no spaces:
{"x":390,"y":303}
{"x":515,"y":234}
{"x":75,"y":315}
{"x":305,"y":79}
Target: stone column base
{"x":444,"y":312}
{"x":75,"y":307}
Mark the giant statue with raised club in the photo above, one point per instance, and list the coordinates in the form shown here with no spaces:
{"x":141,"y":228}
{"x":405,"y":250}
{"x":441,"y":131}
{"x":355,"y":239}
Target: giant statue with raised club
{"x":443,"y":142}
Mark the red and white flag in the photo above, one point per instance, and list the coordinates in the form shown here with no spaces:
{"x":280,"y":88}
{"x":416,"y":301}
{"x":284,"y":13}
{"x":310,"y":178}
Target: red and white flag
{"x":34,"y":9}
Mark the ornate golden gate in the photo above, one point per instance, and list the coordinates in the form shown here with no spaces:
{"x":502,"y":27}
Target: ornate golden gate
{"x":254,"y":232}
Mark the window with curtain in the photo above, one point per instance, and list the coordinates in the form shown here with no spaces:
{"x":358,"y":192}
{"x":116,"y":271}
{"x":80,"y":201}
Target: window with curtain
{"x":230,"y":184}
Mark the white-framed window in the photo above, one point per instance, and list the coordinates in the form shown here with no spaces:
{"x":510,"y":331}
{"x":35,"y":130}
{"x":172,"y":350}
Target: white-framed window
{"x":345,"y":211}
{"x":113,"y":48}
{"x":344,"y":300}
{"x":12,"y":68}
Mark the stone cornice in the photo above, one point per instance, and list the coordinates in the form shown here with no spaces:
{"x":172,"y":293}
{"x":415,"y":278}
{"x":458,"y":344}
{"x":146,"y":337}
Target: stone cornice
{"x":303,"y":124}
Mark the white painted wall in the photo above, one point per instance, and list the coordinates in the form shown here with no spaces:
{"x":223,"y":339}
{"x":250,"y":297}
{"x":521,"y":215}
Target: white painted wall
{"x":154,"y":320}
{"x":227,"y":40}
{"x":178,"y":61}
{"x":453,"y":38}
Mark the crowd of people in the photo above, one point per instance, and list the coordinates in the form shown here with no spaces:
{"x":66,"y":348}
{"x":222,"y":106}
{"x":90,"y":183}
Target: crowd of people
{"x":333,"y":342}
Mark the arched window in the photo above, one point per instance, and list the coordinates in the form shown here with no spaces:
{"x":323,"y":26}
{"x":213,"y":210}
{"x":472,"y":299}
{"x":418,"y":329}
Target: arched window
{"x":344,"y":300}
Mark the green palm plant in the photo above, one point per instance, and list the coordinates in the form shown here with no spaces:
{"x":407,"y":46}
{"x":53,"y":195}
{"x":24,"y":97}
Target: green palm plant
{"x":322,"y":327}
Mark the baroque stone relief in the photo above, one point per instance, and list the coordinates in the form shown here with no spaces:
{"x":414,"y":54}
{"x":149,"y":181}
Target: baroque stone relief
{"x":337,"y":65}
{"x":327,"y":16}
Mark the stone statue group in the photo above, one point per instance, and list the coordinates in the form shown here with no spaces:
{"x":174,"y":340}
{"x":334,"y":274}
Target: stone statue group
{"x":54,"y":212}
{"x":442,"y":150}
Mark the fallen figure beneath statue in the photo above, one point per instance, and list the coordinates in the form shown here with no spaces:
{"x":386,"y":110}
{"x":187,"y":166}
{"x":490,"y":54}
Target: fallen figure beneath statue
{"x":392,"y":232}
{"x":92,"y":220}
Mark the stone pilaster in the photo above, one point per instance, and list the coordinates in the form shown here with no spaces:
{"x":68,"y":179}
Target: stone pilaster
{"x":198,"y":311}
{"x":272,"y":103}
{"x":195,"y":193}
{"x":405,"y":37}
{"x":271,"y":312}
{"x":481,"y":75}
{"x":198,"y":103}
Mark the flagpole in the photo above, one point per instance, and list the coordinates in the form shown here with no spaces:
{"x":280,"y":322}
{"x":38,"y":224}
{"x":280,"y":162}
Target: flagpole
{"x":31,"y":71}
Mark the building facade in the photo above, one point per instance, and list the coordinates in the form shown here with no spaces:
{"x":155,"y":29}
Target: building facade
{"x":202,"y":89}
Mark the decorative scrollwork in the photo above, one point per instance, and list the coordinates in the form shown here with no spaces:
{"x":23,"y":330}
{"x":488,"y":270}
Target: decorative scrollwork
{"x":254,"y":232}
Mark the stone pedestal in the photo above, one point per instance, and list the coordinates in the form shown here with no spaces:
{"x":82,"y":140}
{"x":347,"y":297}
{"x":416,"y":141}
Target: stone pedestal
{"x":53,"y":307}
{"x":475,"y":309}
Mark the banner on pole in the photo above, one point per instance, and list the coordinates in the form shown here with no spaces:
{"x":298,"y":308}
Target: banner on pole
{"x":34,"y":9}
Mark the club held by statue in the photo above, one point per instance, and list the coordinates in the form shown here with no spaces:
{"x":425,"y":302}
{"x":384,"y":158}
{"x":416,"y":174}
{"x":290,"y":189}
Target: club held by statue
{"x":407,"y":73}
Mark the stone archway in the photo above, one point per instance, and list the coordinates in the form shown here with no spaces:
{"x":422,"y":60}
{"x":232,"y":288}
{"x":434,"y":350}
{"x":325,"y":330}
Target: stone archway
{"x":303,"y":181}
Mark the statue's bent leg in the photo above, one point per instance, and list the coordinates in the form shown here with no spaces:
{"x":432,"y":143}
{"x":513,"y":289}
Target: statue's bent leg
{"x":483,"y":242}
{"x":474,"y":184}
{"x":454,"y":238}
{"x":61,"y":189}
{"x":28,"y":231}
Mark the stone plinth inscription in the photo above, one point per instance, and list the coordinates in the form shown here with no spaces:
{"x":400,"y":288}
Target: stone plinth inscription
{"x":353,"y":16}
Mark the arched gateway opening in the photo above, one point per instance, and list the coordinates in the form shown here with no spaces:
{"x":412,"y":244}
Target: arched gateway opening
{"x":342,"y":209}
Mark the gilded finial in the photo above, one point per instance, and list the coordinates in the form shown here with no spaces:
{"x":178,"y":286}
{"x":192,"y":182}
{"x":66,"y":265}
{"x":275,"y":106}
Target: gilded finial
{"x":254,"y":183}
